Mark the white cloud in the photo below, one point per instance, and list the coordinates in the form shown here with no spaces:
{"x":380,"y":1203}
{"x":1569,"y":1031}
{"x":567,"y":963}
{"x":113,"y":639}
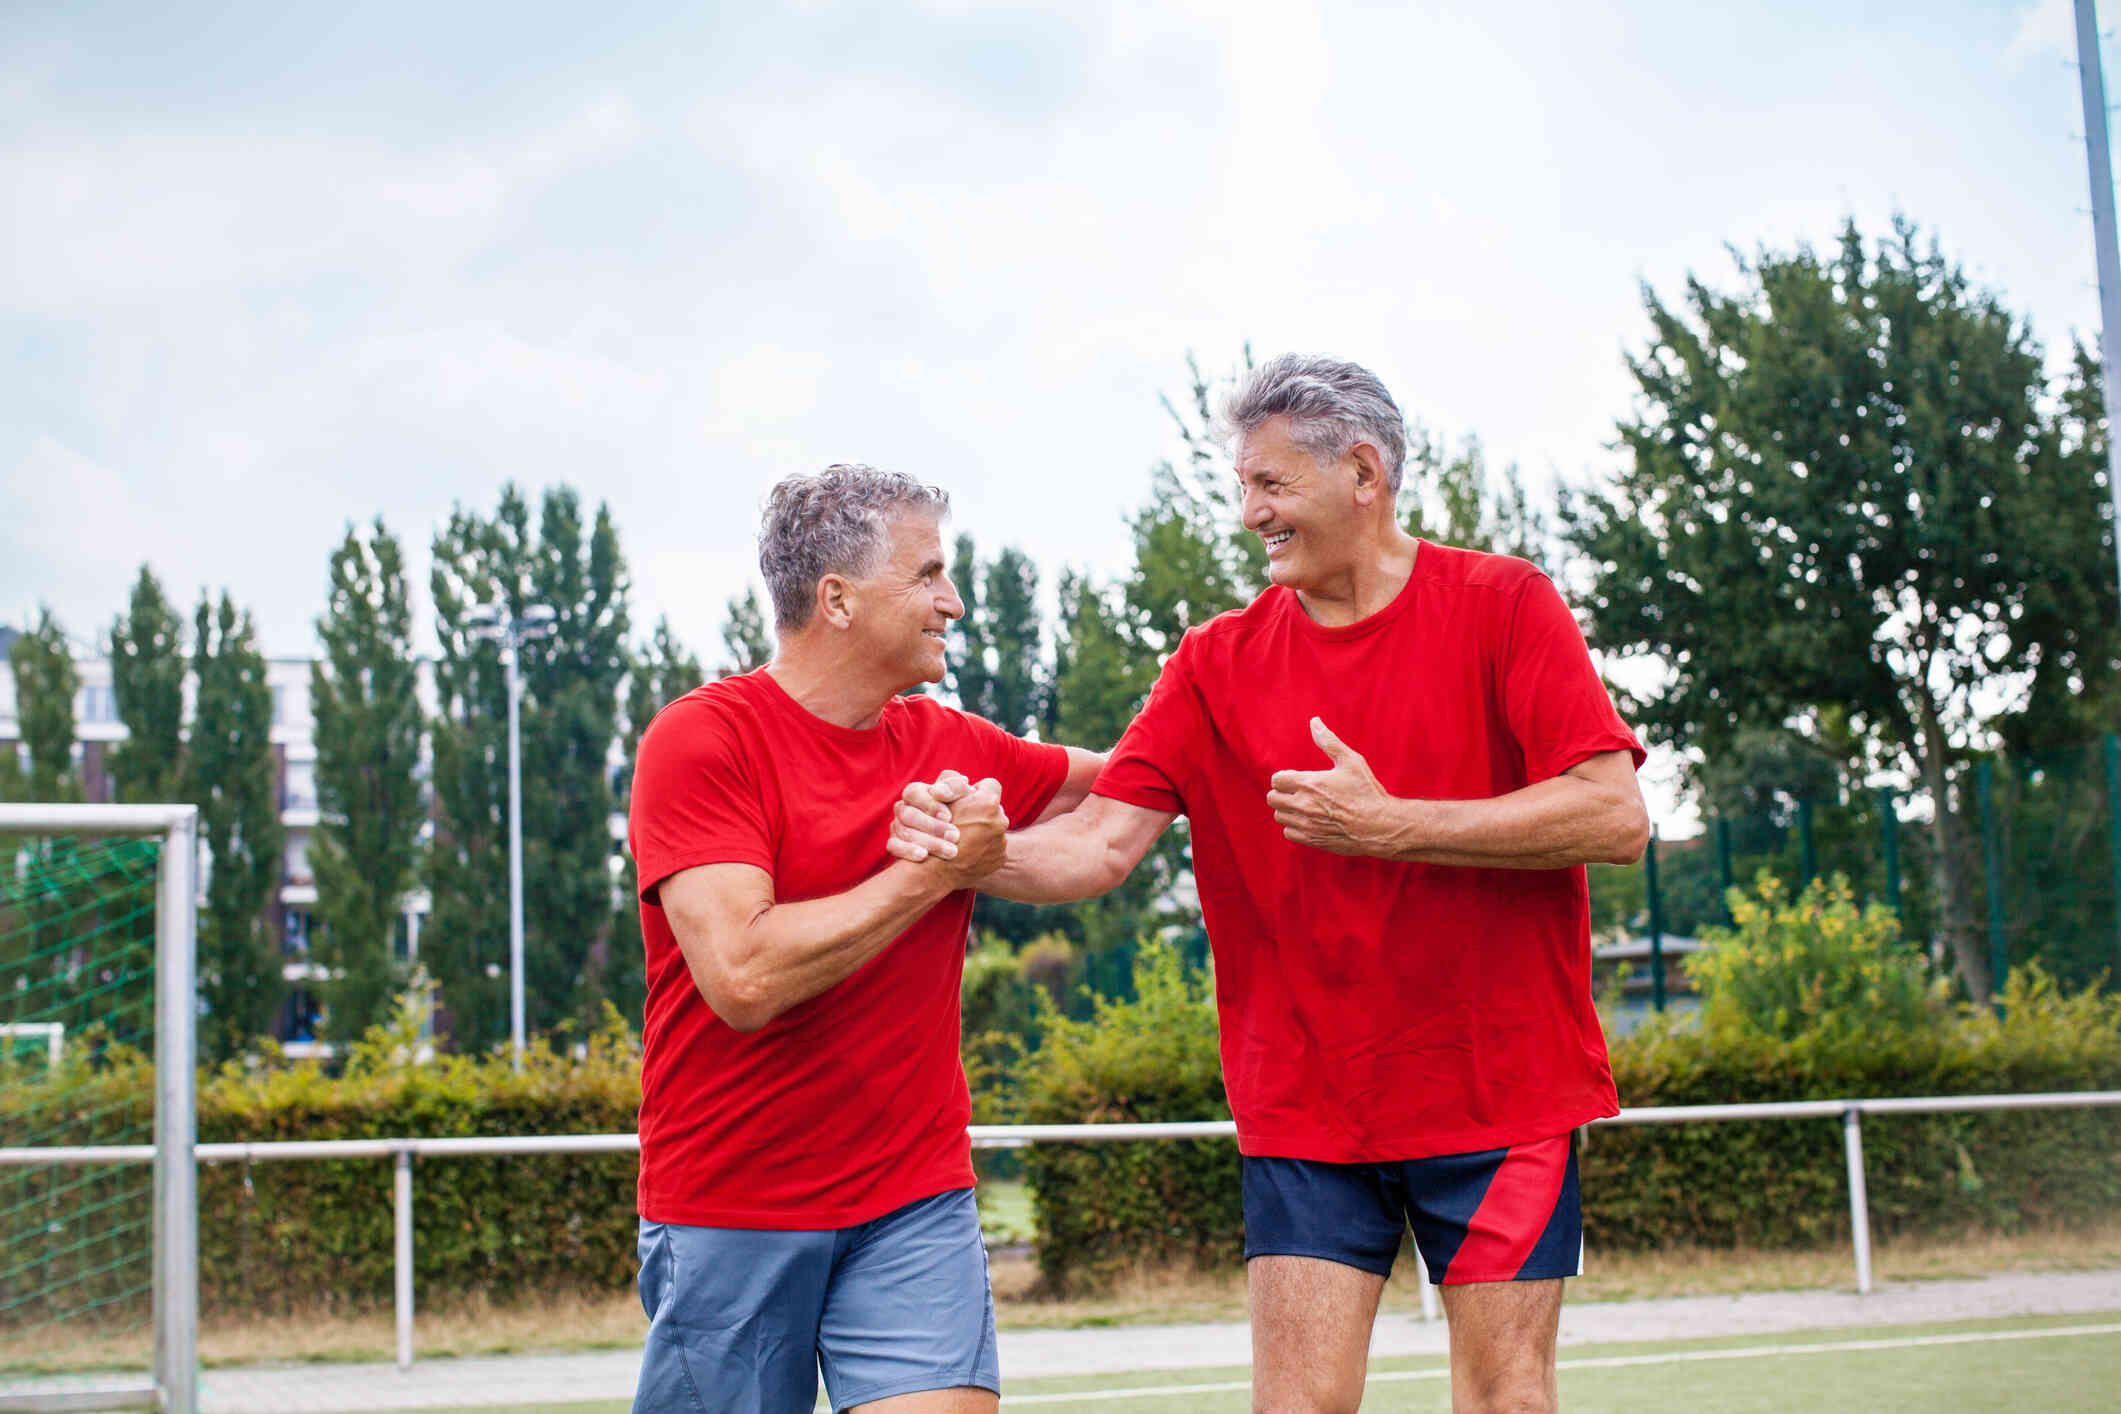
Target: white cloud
{"x":2046,"y":30}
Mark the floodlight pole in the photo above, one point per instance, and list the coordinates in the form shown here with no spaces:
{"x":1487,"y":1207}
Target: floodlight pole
{"x":512,"y":631}
{"x":515,"y":845}
{"x":2099,"y":157}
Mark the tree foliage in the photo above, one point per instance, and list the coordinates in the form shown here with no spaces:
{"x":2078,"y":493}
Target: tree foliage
{"x":232,"y":777}
{"x":746,"y":646}
{"x":45,"y":683}
{"x":364,"y":693}
{"x":1846,"y":492}
{"x":147,"y":664}
{"x":661,"y":672}
{"x":570,"y":702}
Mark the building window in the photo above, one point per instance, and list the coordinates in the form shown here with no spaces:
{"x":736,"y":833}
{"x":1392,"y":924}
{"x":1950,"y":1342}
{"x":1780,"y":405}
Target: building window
{"x":294,"y":932}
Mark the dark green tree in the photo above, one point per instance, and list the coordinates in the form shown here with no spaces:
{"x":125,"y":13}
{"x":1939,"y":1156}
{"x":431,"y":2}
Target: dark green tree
{"x":364,"y":694}
{"x":661,"y":672}
{"x":147,"y":665}
{"x":570,"y":703}
{"x":1845,"y":491}
{"x":45,"y":684}
{"x":1449,"y":495}
{"x":997,"y":657}
{"x":231,"y":775}
{"x":745,"y":643}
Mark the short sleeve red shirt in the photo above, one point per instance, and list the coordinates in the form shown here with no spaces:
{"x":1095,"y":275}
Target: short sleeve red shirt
{"x":1371,"y":1009}
{"x":853,"y":1103}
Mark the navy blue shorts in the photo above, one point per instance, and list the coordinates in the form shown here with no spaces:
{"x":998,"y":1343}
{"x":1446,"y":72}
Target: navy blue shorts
{"x":740,"y":1320}
{"x":1499,"y":1215}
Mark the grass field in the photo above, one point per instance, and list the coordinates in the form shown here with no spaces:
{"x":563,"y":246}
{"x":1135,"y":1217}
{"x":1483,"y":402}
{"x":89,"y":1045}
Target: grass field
{"x":1970,"y":1368}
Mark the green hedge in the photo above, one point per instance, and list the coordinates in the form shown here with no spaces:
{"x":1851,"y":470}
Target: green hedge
{"x":1770,"y":1183}
{"x":281,"y":1236}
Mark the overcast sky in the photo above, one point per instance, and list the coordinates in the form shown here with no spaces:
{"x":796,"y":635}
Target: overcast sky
{"x":265,"y":270}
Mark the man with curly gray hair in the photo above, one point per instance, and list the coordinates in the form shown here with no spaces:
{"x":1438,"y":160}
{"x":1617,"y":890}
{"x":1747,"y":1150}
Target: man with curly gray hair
{"x":1396,"y":762}
{"x":806,"y":1182}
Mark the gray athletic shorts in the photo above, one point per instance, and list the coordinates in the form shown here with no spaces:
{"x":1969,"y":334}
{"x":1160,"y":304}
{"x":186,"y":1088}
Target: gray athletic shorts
{"x":741,"y":1319}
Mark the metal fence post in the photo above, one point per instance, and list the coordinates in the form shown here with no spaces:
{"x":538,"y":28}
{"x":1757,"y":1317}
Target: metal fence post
{"x":1992,"y":861}
{"x":1649,"y":861}
{"x":2112,"y":745}
{"x":401,"y":1207}
{"x":1889,"y":831}
{"x":1723,"y":869}
{"x":1807,"y":854}
{"x":1859,"y":1198}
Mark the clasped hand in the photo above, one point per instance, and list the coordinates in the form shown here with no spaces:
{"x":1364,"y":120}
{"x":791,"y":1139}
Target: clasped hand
{"x":1342,"y":810}
{"x":957,"y":823}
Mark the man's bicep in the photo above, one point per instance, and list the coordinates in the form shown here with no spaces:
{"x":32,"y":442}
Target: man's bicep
{"x":1611,"y":770}
{"x":710,"y":905}
{"x":1083,"y":767}
{"x":1126,"y":829}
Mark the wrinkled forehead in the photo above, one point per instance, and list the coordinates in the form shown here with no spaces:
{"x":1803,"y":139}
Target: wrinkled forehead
{"x":914,"y":534}
{"x":1271,"y":449}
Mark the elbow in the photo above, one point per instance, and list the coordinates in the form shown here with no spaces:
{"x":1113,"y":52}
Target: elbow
{"x":740,"y":1004}
{"x":1631,"y":836}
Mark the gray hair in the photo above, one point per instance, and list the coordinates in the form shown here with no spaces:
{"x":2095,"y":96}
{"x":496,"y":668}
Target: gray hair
{"x":1331,"y":405}
{"x":836,"y":521}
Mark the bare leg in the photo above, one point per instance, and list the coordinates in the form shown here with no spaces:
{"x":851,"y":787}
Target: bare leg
{"x":1502,"y":1346}
{"x":963,"y":1400}
{"x":1311,"y":1324}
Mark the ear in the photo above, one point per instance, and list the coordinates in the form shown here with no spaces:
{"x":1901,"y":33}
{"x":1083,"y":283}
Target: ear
{"x":1371,"y":482}
{"x":835,"y":600}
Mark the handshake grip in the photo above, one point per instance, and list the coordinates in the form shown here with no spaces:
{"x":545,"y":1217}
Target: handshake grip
{"x":953,"y":824}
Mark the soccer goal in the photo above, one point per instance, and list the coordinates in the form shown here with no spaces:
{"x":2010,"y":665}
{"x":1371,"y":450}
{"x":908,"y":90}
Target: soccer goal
{"x":99,"y":1250}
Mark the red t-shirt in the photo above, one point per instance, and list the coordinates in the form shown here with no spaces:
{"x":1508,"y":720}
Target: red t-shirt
{"x":853,"y":1103}
{"x":1374,"y":1010}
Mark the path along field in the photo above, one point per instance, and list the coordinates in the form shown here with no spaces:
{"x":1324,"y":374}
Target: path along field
{"x":1967,"y":1367}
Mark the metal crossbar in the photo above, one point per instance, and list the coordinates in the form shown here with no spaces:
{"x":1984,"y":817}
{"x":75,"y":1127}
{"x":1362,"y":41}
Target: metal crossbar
{"x":401,"y":1152}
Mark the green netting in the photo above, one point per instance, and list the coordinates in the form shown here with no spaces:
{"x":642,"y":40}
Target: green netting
{"x":77,"y":956}
{"x":2049,"y":861}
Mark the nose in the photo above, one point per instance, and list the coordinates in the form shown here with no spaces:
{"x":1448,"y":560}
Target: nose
{"x":1256,"y":512}
{"x":947,"y":603}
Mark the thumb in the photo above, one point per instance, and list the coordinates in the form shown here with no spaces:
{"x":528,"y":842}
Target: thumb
{"x":1338,"y":751}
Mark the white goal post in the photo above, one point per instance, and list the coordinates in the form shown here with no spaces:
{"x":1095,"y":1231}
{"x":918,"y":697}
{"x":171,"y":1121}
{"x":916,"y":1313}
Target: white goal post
{"x":174,"y":1388}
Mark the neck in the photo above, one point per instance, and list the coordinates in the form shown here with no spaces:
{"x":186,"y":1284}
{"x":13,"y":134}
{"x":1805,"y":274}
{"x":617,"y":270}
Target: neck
{"x":826,"y":685}
{"x":1364,"y":586}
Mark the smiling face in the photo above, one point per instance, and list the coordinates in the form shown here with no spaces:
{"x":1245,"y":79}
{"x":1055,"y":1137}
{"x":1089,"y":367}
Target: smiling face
{"x":1312,"y":513}
{"x":903,"y":609}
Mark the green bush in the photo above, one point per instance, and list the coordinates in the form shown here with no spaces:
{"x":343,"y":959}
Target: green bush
{"x":1814,"y":964}
{"x":1766,"y":1182}
{"x":1101,"y":1207}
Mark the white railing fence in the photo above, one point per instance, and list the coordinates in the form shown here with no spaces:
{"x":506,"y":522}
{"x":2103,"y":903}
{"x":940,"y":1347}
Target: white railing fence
{"x":401,"y":1153}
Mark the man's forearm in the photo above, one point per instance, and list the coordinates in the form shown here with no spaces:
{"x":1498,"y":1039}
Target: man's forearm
{"x":790,"y":952}
{"x":1555,"y":824}
{"x":1057,"y":862}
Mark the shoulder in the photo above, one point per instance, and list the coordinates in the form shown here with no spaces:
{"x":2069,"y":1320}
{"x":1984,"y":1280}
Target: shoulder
{"x":1476,"y":571}
{"x":713,"y":712}
{"x":1230,"y":632}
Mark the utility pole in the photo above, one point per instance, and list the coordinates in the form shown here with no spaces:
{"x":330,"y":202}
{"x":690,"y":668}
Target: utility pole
{"x":2091,"y":76}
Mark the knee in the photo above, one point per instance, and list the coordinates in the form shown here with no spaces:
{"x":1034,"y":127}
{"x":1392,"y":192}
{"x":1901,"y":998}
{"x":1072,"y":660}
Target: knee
{"x":1307,"y":1402}
{"x":1517,"y":1391}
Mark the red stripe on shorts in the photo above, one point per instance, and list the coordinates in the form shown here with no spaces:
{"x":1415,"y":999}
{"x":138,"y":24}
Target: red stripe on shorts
{"x":1513,"y":1213}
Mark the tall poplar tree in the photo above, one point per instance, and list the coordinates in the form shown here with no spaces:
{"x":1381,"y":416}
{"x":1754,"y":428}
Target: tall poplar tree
{"x":746,"y":644}
{"x":570,"y":684}
{"x":231,"y":777}
{"x":662,"y":671}
{"x":45,"y":683}
{"x":364,"y":694}
{"x":147,"y":666}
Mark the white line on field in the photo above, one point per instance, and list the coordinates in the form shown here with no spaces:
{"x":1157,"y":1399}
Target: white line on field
{"x":1608,"y":1362}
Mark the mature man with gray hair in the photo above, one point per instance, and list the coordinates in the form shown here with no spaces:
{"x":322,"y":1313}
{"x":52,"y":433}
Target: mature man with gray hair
{"x":805,"y":1189}
{"x":1396,"y":762}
